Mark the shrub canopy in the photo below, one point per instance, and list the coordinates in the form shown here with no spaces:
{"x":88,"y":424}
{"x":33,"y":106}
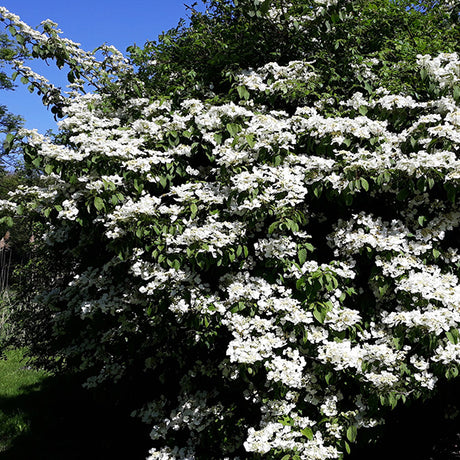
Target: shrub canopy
{"x":253,"y":221}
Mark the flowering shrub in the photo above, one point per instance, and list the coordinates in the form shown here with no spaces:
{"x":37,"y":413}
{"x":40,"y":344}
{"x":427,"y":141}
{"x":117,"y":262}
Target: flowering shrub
{"x":280,"y":275}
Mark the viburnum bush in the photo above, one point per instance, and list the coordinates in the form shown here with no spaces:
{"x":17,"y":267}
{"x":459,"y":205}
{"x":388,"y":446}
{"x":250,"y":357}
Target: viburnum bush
{"x":265,"y":240}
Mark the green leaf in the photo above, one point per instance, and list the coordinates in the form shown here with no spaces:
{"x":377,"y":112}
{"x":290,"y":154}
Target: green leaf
{"x":292,"y":225}
{"x":265,"y":6}
{"x":421,"y":184}
{"x":320,"y":314}
{"x":328,"y":377}
{"x":393,"y":400}
{"x":318,"y":190}
{"x":365,"y":184}
{"x":277,"y":160}
{"x":233,"y":129}
{"x":398,"y":342}
{"x":273,"y":227}
{"x":457,"y":93}
{"x":243,"y":92}
{"x":451,"y":338}
{"x":423,"y":73}
{"x":218,"y":138}
{"x":348,"y":198}
{"x":451,"y":372}
{"x":352,"y":432}
{"x":251,"y":140}
{"x":368,"y":87}
{"x":308,"y":433}
{"x":99,"y":203}
{"x":300,"y":283}
{"x":403,"y":194}
{"x":163,"y":181}
{"x":302,"y":255}
{"x":137,"y":90}
{"x":9,"y":138}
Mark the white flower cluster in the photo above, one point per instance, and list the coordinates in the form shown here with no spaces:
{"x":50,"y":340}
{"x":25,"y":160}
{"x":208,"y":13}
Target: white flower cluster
{"x":113,"y":61}
{"x":278,"y":436}
{"x":444,"y":68}
{"x":275,"y":78}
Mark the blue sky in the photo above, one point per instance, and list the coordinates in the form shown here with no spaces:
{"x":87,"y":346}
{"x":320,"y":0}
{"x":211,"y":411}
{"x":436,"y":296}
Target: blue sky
{"x":91,"y":23}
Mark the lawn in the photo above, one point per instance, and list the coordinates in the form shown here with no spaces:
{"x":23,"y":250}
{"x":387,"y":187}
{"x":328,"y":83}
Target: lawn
{"x":49,"y":417}
{"x":16,"y":379}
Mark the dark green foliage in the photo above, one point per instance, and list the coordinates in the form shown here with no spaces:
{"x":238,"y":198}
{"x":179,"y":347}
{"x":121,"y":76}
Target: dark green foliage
{"x":230,"y":36}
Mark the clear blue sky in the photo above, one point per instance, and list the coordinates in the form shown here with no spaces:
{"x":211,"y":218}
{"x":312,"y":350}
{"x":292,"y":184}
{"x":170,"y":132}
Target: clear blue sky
{"x":91,"y":23}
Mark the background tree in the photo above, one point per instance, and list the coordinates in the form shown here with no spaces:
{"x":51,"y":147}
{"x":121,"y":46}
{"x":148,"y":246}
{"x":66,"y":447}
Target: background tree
{"x":17,"y":230}
{"x":231,"y":36}
{"x":9,"y":123}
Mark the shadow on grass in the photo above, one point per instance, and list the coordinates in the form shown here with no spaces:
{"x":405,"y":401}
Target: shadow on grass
{"x":56,"y":419}
{"x":61,"y":420}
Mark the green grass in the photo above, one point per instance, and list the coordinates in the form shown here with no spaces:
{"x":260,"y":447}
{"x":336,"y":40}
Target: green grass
{"x":51,"y":417}
{"x":16,"y":379}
